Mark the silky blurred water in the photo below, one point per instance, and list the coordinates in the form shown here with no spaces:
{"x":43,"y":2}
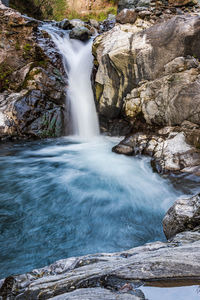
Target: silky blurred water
{"x":78,"y":63}
{"x":66,"y":197}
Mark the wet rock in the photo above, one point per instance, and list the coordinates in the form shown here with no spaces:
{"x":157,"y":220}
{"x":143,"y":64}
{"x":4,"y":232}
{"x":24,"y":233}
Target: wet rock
{"x":169,"y":149}
{"x":111,"y":275}
{"x":80,"y":33}
{"x":32,"y":80}
{"x":182,"y":216}
{"x":65,"y":24}
{"x":127,"y":16}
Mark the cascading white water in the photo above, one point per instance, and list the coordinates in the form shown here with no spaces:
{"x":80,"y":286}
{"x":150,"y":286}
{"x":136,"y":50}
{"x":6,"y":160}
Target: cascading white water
{"x":78,"y":61}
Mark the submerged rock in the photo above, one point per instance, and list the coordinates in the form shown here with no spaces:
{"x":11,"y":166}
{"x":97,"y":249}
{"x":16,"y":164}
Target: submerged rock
{"x":182,"y":216}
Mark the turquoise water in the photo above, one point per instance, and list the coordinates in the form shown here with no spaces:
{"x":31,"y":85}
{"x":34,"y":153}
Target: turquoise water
{"x":66,"y":197}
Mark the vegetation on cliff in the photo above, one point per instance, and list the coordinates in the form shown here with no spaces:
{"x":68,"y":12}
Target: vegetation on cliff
{"x":60,"y":9}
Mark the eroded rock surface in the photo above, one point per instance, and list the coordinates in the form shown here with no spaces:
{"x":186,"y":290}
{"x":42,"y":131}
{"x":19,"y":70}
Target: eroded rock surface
{"x":32,"y":80}
{"x":168,"y":148}
{"x":183,"y":215}
{"x":149,"y":71}
{"x":115,"y":276}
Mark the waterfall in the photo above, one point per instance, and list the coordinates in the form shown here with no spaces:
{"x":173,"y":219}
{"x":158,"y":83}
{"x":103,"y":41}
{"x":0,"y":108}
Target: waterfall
{"x":78,"y":62}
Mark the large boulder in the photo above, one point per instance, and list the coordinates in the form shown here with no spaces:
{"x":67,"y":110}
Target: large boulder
{"x":135,"y":62}
{"x":182,"y":216}
{"x":32,"y":80}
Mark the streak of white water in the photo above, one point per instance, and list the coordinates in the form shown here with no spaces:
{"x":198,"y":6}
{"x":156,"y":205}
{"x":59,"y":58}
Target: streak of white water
{"x":78,"y":61}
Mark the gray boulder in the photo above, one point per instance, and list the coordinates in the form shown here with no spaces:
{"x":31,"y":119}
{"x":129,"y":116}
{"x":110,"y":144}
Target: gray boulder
{"x":80,"y":33}
{"x":182,"y":216}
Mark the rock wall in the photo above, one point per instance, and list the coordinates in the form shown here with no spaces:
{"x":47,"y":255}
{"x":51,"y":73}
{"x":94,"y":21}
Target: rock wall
{"x":32,"y":81}
{"x":149,"y":71}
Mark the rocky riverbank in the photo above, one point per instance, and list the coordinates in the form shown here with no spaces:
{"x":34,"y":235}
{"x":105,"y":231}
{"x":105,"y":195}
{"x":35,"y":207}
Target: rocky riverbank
{"x":120,"y":275}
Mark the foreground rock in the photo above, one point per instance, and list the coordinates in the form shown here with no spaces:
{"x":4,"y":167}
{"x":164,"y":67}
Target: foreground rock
{"x":183,"y":215}
{"x":32,"y":82}
{"x":111,"y":276}
{"x":168,"y":148}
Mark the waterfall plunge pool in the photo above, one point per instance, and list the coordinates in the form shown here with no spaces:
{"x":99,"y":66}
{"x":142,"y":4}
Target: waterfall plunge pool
{"x":67,"y":197}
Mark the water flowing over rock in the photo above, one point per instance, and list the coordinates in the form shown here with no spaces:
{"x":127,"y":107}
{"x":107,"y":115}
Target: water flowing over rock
{"x":32,"y":81}
{"x":78,"y":67}
{"x":182,"y":216}
{"x":33,"y":71}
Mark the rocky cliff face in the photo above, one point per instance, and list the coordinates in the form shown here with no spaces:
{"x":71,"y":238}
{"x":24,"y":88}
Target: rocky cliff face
{"x":149,"y":72}
{"x":147,"y":77}
{"x":32,"y":82}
